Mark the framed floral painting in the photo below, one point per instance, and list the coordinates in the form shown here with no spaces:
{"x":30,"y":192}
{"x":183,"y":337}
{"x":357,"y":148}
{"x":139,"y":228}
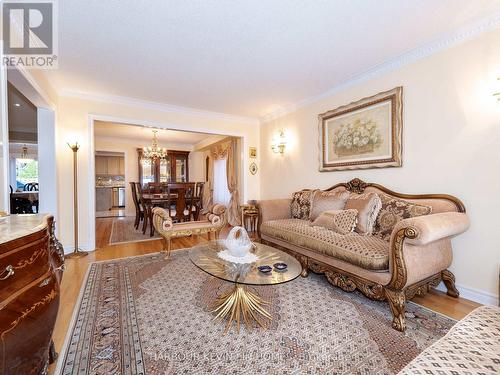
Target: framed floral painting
{"x":364,"y":134}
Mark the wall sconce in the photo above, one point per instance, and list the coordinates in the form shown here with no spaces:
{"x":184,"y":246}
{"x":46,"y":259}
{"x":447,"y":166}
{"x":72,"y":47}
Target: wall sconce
{"x":497,"y":94}
{"x":279,"y":145}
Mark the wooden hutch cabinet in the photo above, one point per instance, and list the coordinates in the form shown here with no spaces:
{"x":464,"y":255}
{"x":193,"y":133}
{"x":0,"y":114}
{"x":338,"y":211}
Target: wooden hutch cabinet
{"x":173,"y":168}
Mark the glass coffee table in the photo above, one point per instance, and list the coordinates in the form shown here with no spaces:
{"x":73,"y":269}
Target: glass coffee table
{"x":240,"y":303}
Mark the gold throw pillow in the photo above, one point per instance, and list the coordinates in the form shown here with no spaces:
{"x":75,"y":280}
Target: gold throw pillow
{"x":340,"y":221}
{"x":327,"y":201}
{"x":368,"y":206}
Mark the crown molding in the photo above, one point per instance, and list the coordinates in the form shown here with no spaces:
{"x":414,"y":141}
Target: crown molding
{"x":444,"y":42}
{"x":139,"y":103}
{"x":42,"y":98}
{"x":133,"y":141}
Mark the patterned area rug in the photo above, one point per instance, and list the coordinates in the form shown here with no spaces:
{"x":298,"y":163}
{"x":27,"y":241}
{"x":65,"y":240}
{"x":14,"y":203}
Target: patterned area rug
{"x":123,"y":231}
{"x":145,"y":315}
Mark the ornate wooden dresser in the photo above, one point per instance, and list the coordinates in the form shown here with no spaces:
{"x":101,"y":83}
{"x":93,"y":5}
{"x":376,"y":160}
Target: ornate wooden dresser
{"x":31,"y":265}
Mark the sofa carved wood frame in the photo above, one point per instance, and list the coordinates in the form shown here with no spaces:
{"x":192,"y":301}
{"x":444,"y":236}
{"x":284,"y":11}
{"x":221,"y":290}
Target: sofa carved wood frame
{"x":396,"y":292}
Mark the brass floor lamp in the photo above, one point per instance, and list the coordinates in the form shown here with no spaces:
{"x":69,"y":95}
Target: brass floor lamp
{"x":77,"y":253}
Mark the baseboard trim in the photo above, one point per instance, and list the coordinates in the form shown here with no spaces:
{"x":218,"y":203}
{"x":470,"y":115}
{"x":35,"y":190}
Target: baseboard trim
{"x":476,"y":295}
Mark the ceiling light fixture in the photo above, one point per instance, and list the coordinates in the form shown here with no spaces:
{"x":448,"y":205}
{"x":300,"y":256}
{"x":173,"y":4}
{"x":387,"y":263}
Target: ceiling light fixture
{"x":154,"y":152}
{"x":24,"y":155}
{"x":17,"y":105}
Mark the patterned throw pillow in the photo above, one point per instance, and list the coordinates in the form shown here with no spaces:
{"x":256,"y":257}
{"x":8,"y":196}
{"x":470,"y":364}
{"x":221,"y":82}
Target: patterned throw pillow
{"x":301,"y":204}
{"x":368,"y":206}
{"x":340,"y":221}
{"x":393,"y":211}
{"x":327,"y":201}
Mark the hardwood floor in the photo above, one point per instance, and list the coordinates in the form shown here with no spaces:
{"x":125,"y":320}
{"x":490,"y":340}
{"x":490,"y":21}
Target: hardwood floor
{"x":456,"y":308}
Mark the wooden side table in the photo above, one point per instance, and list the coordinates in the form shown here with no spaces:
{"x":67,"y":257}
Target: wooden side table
{"x":250,"y":216}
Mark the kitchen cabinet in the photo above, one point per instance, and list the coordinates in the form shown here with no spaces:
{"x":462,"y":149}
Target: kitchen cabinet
{"x":101,"y":165}
{"x":110,"y":165}
{"x":121,"y":166}
{"x":113,"y":165}
{"x":173,"y":168}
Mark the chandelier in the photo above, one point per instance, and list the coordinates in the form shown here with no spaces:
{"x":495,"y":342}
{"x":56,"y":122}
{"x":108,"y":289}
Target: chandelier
{"x":154,"y":152}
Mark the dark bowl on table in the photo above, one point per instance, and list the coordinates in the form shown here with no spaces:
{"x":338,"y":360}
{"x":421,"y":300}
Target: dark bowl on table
{"x":280,"y":266}
{"x":264,"y":269}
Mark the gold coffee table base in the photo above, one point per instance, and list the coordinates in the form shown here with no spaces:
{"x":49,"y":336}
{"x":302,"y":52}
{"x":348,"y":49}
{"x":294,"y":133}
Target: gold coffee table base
{"x":241,"y":304}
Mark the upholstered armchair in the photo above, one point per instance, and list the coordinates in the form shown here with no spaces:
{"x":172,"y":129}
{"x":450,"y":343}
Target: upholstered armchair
{"x":214,"y":220}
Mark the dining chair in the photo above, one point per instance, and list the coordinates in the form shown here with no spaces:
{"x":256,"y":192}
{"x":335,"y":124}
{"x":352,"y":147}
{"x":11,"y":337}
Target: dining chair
{"x":190,"y":210}
{"x":20,"y":205}
{"x":184,"y":193}
{"x":36,"y":202}
{"x":139,"y":212}
{"x":156,"y":187}
{"x":198,"y":199}
{"x":142,"y":202}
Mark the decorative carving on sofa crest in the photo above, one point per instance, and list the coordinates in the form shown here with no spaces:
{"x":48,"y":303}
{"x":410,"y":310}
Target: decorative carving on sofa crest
{"x":356,"y":186}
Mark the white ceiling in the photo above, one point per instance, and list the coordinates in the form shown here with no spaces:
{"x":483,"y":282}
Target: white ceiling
{"x":22,"y":116}
{"x":242,"y":57}
{"x":143,"y":135}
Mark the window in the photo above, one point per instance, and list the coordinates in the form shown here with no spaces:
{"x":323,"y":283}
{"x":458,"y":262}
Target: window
{"x":221,"y":191}
{"x":26,"y":171}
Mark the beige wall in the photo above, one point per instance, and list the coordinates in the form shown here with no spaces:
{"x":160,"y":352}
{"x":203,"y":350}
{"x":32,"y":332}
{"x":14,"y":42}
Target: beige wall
{"x":451,"y":145}
{"x":196,"y":166}
{"x":73,"y":124}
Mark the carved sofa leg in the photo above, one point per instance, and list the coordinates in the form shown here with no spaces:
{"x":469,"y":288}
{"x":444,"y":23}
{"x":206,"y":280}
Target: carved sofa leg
{"x":305,"y":272}
{"x":449,"y":281}
{"x":397,"y":303}
{"x":305,"y":266}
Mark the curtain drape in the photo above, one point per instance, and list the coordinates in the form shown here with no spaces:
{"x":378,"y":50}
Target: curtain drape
{"x":227,"y":151}
{"x":222,"y":195}
{"x":208,"y":187}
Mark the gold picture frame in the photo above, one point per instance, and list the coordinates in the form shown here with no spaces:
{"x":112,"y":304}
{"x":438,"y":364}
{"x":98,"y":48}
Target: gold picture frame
{"x":364,"y":134}
{"x":252,"y":152}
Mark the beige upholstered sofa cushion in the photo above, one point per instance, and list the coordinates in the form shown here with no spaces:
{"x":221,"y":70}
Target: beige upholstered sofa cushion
{"x":340,"y":221}
{"x":326,"y":201}
{"x":364,"y":251}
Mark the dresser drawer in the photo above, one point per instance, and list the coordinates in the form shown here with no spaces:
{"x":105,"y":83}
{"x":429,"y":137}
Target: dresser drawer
{"x":23,"y":264}
{"x":24,"y":320}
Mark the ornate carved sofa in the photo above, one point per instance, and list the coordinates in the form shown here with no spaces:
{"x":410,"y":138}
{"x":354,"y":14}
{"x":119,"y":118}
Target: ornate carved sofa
{"x":415,"y":258}
{"x":214,"y":220}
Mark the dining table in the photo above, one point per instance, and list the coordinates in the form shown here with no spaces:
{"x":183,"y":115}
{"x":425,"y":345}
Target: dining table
{"x":32,"y":196}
